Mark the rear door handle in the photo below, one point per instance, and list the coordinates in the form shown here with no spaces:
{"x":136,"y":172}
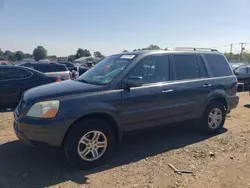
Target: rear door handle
{"x":207,"y":85}
{"x":167,"y":90}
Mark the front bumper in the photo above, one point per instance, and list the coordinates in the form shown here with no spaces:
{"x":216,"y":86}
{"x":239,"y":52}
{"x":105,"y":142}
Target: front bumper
{"x":39,"y":132}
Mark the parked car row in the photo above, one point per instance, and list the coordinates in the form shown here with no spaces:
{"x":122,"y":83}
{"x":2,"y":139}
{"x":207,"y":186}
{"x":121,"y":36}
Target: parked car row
{"x":243,"y":75}
{"x":125,"y":92}
{"x":14,"y":80}
{"x":51,"y":69}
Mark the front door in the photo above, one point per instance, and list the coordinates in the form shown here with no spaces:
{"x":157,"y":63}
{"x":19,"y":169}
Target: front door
{"x":152,"y":102}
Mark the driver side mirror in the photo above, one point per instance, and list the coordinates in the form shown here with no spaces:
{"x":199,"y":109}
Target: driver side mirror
{"x":133,"y":81}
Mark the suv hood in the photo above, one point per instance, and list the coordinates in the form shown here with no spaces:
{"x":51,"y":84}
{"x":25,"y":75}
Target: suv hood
{"x":59,"y":89}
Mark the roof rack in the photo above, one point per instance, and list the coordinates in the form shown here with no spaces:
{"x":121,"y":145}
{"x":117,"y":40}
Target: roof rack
{"x":194,"y":49}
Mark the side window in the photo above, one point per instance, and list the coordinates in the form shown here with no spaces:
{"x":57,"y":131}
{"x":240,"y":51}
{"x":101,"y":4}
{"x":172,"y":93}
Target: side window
{"x":57,"y":68}
{"x":43,"y":68}
{"x":218,"y":65}
{"x":13,"y":73}
{"x":152,"y":69}
{"x":23,"y":73}
{"x":242,"y":70}
{"x":186,"y":67}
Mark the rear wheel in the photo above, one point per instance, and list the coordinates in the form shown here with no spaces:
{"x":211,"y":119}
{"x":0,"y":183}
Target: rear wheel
{"x":89,"y":143}
{"x":213,"y":118}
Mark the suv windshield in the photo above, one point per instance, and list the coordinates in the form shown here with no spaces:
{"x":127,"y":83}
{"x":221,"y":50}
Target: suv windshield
{"x":108,"y":69}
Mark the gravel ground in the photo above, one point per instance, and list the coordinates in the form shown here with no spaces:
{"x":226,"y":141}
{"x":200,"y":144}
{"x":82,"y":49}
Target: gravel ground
{"x":220,"y":161}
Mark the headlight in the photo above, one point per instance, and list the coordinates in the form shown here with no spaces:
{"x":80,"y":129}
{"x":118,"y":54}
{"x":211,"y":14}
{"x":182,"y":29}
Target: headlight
{"x":47,"y":109}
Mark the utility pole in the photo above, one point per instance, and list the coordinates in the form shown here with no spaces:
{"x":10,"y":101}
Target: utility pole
{"x":241,"y":49}
{"x":231,"y":51}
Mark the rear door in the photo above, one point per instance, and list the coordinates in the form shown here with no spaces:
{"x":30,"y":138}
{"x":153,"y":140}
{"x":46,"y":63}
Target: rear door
{"x":151,"y":103}
{"x":190,"y":85}
{"x":14,"y":81}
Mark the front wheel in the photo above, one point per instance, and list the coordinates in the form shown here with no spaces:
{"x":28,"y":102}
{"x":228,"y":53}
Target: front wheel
{"x":89,"y":143}
{"x":213,"y":118}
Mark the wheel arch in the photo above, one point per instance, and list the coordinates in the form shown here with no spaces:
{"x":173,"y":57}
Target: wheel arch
{"x":217,"y":98}
{"x":111,"y":121}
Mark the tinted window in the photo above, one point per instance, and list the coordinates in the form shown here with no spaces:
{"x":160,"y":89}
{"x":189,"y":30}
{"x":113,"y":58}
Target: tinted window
{"x":152,"y":69}
{"x":43,"y":67}
{"x":13,"y":73}
{"x":57,"y":68}
{"x":186,"y":67}
{"x":23,"y":73}
{"x":242,"y":70}
{"x":218,"y":65}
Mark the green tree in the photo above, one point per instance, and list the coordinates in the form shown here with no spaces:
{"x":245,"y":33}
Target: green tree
{"x":19,"y":55}
{"x":27,"y":55}
{"x":86,"y":53}
{"x":71,"y":58}
{"x":153,"y":47}
{"x":12,"y":57}
{"x":98,"y":54}
{"x":79,"y":53}
{"x":82,"y":53}
{"x":1,"y":52}
{"x":7,"y":53}
{"x":39,"y":53}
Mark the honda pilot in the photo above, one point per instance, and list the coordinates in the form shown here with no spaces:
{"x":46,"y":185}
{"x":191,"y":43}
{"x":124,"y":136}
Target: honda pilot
{"x":126,"y":92}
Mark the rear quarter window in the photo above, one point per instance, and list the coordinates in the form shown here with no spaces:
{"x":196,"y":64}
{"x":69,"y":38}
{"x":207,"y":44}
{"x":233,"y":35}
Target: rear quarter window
{"x":218,"y":65}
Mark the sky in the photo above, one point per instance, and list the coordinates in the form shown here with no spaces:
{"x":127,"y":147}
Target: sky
{"x":111,"y":26}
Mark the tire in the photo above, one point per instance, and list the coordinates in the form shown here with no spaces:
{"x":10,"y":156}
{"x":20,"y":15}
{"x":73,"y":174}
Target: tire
{"x":86,"y":129}
{"x":206,"y":122}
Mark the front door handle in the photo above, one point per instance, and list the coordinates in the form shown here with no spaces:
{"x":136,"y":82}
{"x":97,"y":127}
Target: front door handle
{"x":207,"y":85}
{"x":167,"y":90}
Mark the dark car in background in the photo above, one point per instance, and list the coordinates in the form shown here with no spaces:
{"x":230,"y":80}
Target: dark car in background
{"x":49,"y":68}
{"x":69,"y":65}
{"x":243,"y":75}
{"x":15,"y":80}
{"x":85,"y":67}
{"x":127,"y":92}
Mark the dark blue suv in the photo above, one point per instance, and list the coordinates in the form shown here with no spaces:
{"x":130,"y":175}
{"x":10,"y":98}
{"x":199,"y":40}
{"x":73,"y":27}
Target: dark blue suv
{"x":125,"y":92}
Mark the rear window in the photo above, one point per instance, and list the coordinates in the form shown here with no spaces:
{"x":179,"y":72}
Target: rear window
{"x":13,"y":73}
{"x":50,"y":68}
{"x":218,"y":65}
{"x":43,"y":67}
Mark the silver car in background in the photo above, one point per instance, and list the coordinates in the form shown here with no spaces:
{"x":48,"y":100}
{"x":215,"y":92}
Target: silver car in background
{"x":51,"y":69}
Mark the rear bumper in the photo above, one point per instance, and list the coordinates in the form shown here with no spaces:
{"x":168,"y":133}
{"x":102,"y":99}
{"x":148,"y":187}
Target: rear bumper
{"x":232,"y":102}
{"x":45,"y":133}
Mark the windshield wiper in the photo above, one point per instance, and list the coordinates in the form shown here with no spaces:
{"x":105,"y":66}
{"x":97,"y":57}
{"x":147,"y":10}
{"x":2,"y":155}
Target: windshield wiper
{"x":87,"y":82}
{"x":84,"y":81}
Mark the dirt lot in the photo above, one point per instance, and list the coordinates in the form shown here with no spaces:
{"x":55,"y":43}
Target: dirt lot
{"x":221,"y":161}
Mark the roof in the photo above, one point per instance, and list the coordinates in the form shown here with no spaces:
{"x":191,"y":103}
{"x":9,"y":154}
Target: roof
{"x":84,"y":58}
{"x":183,"y":50}
{"x":27,"y":68}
